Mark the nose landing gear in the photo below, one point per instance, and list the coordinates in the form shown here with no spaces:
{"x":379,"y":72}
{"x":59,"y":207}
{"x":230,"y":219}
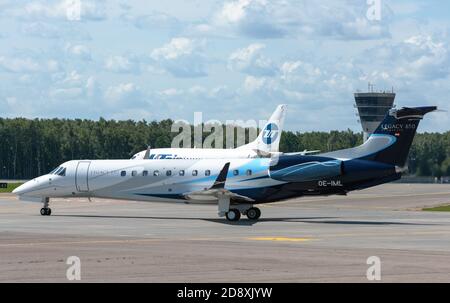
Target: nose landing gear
{"x":46,"y":211}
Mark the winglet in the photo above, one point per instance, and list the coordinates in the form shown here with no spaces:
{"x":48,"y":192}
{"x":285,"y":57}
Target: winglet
{"x":221,"y":178}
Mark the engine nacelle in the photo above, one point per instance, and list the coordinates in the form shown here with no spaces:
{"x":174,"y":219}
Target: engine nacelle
{"x":307,"y":171}
{"x":300,"y":169}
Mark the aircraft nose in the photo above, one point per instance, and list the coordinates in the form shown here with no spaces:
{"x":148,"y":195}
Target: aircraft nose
{"x":22,"y":188}
{"x":27,"y":187}
{"x":19,"y":190}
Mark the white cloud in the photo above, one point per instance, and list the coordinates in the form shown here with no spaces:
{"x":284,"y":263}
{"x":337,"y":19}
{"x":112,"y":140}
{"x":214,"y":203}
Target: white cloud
{"x":124,"y":94}
{"x":27,"y":64}
{"x":80,"y":51}
{"x":153,"y":21}
{"x":176,"y":48}
{"x":170,"y":92}
{"x":122,"y":64}
{"x":48,"y":30}
{"x":59,"y":10}
{"x":66,"y":93}
{"x":233,"y":11}
{"x":300,"y":71}
{"x":418,"y":57}
{"x":182,"y":57}
{"x":263,"y":19}
{"x":250,"y":60}
{"x":18,"y":65}
{"x":252,"y":84}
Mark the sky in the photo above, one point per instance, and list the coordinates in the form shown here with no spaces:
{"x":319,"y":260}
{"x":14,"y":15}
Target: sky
{"x":230,"y":60}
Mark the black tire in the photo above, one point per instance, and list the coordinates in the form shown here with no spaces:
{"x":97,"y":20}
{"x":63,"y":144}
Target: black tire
{"x":43,"y":212}
{"x":253,"y":213}
{"x":49,"y":211}
{"x":233,"y":215}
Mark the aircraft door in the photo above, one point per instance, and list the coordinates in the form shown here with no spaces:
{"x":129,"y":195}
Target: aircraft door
{"x":81,"y":176}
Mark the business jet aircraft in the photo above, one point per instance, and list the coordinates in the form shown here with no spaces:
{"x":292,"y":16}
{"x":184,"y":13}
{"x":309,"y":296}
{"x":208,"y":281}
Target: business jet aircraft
{"x":266,"y":143}
{"x":237,"y":185}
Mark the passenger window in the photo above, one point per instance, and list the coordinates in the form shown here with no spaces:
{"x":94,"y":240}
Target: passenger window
{"x":236,"y":172}
{"x":194,"y":172}
{"x":145,"y":173}
{"x":181,"y":172}
{"x":169,"y":173}
{"x":248,"y":172}
{"x":62,"y":173}
{"x":207,"y":172}
{"x":156,"y":173}
{"x":123,"y":173}
{"x":134,"y":173}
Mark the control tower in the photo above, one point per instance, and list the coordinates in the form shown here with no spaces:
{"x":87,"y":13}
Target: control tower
{"x":372,"y":107}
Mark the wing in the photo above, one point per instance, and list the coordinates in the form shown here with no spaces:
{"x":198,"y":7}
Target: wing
{"x":303,"y":153}
{"x":217,"y":189}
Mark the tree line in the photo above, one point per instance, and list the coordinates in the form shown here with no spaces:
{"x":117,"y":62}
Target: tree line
{"x":30,"y":148}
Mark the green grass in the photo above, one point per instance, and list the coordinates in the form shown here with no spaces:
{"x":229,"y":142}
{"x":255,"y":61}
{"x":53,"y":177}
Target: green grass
{"x":439,"y":208}
{"x":11,"y":187}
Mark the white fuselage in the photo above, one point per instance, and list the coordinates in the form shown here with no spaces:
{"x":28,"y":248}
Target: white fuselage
{"x":195,"y":154}
{"x":158,"y":180}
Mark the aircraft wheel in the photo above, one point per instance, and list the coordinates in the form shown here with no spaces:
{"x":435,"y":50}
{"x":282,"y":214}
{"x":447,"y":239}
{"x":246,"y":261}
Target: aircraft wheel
{"x":253,"y":213}
{"x":233,"y":215}
{"x":46,"y":211}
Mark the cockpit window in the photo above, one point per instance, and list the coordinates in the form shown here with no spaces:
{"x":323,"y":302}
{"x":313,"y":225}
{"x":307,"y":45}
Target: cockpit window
{"x":58,"y":170}
{"x":54,"y":171}
{"x":62,"y":172}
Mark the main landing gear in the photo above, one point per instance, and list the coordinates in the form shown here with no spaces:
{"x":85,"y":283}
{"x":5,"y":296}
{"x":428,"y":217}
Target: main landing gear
{"x":234,"y":213}
{"x":252,"y":213}
{"x":46,"y":211}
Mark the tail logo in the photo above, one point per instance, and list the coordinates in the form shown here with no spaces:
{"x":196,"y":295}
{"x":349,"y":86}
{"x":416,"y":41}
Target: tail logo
{"x":270,"y":133}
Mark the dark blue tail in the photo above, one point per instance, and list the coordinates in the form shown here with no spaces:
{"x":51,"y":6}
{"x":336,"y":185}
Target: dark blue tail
{"x":401,"y":126}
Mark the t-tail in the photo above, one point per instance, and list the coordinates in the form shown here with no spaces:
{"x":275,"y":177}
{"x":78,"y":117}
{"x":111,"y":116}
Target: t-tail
{"x":397,"y":131}
{"x":391,"y":141}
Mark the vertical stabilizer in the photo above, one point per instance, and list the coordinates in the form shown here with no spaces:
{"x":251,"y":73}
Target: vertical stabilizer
{"x":268,"y":140}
